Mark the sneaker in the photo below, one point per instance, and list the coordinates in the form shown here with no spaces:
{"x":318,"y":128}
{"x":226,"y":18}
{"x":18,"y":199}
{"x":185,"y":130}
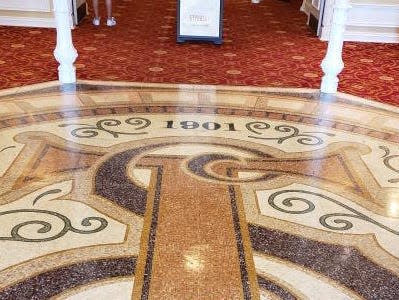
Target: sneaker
{"x":96,"y":22}
{"x":111,"y":21}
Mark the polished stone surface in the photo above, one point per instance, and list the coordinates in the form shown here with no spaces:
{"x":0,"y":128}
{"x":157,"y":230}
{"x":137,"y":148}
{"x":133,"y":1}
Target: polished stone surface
{"x":129,"y":191}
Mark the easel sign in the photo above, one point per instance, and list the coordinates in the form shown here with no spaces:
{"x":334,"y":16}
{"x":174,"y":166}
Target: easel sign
{"x":200,"y":20}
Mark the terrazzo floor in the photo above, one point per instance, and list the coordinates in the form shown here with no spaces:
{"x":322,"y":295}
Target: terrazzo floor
{"x":133,"y":191}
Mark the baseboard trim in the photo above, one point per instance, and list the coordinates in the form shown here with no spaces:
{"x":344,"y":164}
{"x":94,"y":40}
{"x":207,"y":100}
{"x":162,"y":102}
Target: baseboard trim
{"x":371,"y":38}
{"x":362,"y":34}
{"x":27,"y":22}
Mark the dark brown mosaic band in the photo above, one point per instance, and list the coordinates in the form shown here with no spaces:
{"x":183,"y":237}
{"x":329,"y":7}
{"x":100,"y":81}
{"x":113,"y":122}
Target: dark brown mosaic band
{"x":112,"y":182}
{"x":270,"y":286}
{"x":345,"y":265}
{"x":54,"y":282}
{"x":240,"y":247}
{"x":145,"y":293}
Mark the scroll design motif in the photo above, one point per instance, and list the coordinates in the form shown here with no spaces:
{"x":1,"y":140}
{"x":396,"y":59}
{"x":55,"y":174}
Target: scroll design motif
{"x":333,"y":221}
{"x":90,"y":131}
{"x":304,"y":138}
{"x":46,"y":226}
{"x":387,"y":160}
{"x":6,"y":148}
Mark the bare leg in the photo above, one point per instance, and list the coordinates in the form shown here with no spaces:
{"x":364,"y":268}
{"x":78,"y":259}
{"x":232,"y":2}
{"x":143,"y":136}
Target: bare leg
{"x":95,"y":8}
{"x":108,"y":3}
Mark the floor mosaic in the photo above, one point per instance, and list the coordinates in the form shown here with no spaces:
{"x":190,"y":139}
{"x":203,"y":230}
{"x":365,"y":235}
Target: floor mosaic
{"x":196,"y":192}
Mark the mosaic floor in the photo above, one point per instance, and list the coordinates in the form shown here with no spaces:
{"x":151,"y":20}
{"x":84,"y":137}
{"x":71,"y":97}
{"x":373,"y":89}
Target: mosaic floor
{"x":195,"y":192}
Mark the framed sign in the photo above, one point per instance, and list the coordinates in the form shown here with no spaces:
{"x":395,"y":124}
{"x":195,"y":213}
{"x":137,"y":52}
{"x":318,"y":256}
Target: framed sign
{"x":200,"y":20}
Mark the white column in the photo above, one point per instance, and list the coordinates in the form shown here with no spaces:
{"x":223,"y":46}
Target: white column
{"x":332,"y":64}
{"x":65,"y":53}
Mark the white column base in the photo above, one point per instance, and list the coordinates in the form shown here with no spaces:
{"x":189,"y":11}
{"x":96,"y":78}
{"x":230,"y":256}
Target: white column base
{"x":65,"y":53}
{"x":332,"y":64}
{"x":67,"y":74}
{"x":329,"y":84}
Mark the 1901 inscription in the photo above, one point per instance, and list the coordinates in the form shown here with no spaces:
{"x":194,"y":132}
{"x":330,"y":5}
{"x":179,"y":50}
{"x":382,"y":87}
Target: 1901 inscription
{"x":194,"y":125}
{"x":259,"y":130}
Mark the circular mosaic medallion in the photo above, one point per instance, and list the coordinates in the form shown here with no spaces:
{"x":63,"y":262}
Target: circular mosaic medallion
{"x":179,"y":192}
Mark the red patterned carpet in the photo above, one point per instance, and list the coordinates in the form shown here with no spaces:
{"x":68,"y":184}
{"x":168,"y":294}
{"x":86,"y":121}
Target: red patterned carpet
{"x":264,"y":45}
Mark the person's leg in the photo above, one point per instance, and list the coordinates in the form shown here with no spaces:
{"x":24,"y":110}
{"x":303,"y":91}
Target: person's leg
{"x":95,"y":8}
{"x":110,"y":20}
{"x":108,"y":3}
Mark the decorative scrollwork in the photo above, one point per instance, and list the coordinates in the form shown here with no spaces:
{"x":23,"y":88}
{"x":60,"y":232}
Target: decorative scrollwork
{"x":254,"y":126}
{"x":289,"y":202}
{"x":6,"y":148}
{"x":387,"y":160}
{"x":50,"y":192}
{"x":46,"y":226}
{"x":304,"y":138}
{"x":90,"y":131}
{"x":333,"y":221}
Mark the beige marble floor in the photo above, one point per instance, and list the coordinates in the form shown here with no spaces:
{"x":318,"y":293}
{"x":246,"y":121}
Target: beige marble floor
{"x":154,"y":191}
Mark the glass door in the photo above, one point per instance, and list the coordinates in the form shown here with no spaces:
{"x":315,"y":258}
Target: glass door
{"x":315,"y":11}
{"x":79,"y":10}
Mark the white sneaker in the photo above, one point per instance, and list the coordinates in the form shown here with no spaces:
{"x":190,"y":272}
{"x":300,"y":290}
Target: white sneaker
{"x":111,"y":21}
{"x":96,"y":22}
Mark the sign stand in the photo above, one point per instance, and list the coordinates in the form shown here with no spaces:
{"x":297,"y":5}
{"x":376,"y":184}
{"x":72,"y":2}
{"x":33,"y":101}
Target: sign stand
{"x":200,"y":20}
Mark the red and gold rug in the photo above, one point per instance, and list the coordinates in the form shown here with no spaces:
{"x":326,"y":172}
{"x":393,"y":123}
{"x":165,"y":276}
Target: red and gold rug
{"x":264,"y":45}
